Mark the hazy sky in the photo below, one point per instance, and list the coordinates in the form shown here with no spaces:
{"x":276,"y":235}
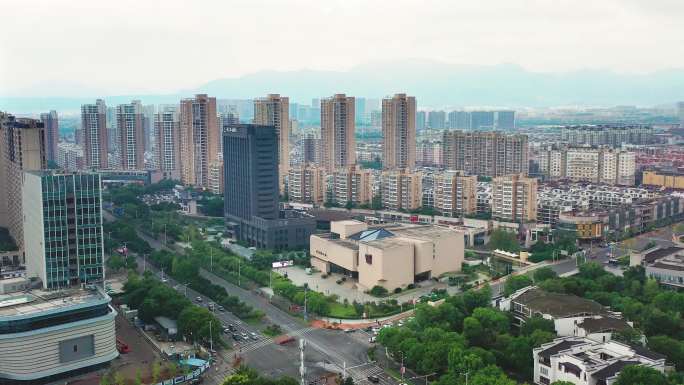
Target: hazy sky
{"x":114,"y":47}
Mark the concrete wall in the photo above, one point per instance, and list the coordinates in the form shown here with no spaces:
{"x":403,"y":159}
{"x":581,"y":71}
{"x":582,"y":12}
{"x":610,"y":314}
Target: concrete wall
{"x":391,"y":266}
{"x":32,"y":198}
{"x":347,"y":228}
{"x":329,"y":251}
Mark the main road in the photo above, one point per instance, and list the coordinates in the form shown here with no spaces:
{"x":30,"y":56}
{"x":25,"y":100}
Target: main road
{"x":325,"y":350}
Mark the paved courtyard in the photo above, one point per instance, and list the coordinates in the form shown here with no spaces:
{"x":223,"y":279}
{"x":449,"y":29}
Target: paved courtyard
{"x":348,"y":290}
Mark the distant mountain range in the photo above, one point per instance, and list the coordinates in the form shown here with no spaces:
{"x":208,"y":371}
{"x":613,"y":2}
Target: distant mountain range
{"x":434,"y":84}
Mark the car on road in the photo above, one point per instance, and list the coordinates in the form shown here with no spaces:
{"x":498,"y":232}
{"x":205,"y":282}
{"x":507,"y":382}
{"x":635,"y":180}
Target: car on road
{"x":245,"y":335}
{"x":164,"y":280}
{"x":198,"y":299}
{"x":372,"y":339}
{"x":231,"y":327}
{"x":374,"y":379}
{"x":235,"y":336}
{"x":221,"y":309}
{"x":350,"y":330}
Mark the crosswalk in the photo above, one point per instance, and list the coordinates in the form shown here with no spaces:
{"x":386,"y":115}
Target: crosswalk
{"x":268,"y":341}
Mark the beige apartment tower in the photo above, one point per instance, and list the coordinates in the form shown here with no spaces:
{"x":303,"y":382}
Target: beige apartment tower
{"x":199,"y":139}
{"x":306,"y":184}
{"x":167,"y":138}
{"x":338,"y":143}
{"x":401,"y":189}
{"x":274,"y":110}
{"x":129,"y":124}
{"x":485,"y":153}
{"x":455,"y":194}
{"x":352,"y":184}
{"x":514,"y":198}
{"x":399,"y":132}
{"x":22,"y":148}
{"x":94,"y":134}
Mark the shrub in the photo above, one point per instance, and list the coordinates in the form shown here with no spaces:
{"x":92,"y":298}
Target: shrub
{"x":378,"y":291}
{"x":397,"y":290}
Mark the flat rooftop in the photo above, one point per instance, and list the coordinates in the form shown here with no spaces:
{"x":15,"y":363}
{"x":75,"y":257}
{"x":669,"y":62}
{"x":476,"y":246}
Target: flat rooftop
{"x":37,"y":301}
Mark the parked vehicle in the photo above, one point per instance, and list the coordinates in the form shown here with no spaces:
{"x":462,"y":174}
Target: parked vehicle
{"x":122,"y":347}
{"x":374,"y":379}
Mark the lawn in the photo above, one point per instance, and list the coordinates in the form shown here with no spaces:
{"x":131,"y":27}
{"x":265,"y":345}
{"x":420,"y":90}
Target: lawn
{"x":338,"y":310}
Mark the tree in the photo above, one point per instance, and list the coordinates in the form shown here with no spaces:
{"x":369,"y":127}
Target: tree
{"x":537,"y":323}
{"x":515,"y":283}
{"x":503,"y":240}
{"x":562,"y":383}
{"x":672,"y":348}
{"x":543,"y":273}
{"x":640,"y":375}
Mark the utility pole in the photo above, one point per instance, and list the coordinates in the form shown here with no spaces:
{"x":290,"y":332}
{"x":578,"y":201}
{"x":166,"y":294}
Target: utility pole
{"x":211,"y":338}
{"x":238,"y":272}
{"x":403,"y":370}
{"x":302,"y":369}
{"x":306,"y":287}
{"x":211,"y":258}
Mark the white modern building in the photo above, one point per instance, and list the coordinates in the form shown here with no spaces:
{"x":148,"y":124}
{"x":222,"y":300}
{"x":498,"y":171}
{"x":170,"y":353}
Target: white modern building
{"x":582,"y":361}
{"x":45,"y":334}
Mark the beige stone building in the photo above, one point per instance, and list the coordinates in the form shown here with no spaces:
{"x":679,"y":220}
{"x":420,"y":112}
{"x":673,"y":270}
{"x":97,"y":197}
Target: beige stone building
{"x":455,"y":193}
{"x":94,"y":134}
{"x":199,"y":139}
{"x":401,"y":189}
{"x":391,"y":257}
{"x":338,"y":127}
{"x":274,"y":110}
{"x":306,"y":184}
{"x":352,"y":184}
{"x":22,"y":148}
{"x":514,"y":198}
{"x":399,"y":132}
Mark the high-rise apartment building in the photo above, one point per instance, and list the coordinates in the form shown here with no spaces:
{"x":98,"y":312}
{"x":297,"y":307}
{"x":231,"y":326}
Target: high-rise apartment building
{"x":311,"y":149}
{"x":401,"y":189}
{"x":421,"y":120}
{"x":680,"y":113}
{"x":63,"y":214}
{"x":504,"y":120}
{"x":274,"y":110}
{"x":306,"y":184}
{"x":589,"y":164}
{"x":216,"y":183}
{"x":482,"y":120}
{"x":51,"y":124}
{"x":148,"y":113}
{"x":167,"y":141}
{"x":514,"y":198}
{"x":131,"y":127}
{"x":429,"y":154}
{"x":608,"y":135}
{"x":485,"y":153}
{"x":70,"y":156}
{"x":399,"y":132}
{"x":352,"y":184}
{"x":459,"y":120}
{"x":22,"y":147}
{"x":199,"y":139}
{"x":250,"y":155}
{"x":436,"y":120}
{"x":95,"y":136}
{"x":338,"y":130}
{"x":455,"y":194}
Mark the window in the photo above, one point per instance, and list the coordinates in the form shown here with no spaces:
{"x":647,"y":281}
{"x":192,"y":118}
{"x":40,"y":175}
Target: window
{"x":369,"y":259}
{"x":75,"y":348}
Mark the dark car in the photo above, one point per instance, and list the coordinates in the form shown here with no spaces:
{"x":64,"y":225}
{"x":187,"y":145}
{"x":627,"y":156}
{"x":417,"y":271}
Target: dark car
{"x":373,"y":379}
{"x":236,"y":337}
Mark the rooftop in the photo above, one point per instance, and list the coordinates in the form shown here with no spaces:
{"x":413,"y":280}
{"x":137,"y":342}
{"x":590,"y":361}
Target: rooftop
{"x":556,"y":304}
{"x":661,"y":253}
{"x":559,"y":347}
{"x":22,"y":304}
{"x":603,"y":324}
